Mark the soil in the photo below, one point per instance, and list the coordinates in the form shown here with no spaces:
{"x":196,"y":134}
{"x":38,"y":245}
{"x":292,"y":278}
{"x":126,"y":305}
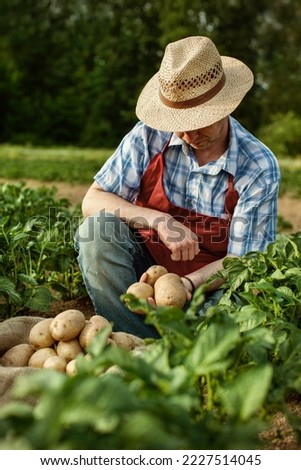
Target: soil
{"x":280,"y":436}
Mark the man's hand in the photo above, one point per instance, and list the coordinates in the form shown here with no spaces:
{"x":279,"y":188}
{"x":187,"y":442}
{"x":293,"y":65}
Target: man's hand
{"x":179,"y":239}
{"x":188,"y":288}
{"x":150,"y":300}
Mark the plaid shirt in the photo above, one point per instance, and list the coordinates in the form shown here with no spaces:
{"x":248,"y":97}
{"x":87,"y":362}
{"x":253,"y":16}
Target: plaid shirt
{"x":203,"y":188}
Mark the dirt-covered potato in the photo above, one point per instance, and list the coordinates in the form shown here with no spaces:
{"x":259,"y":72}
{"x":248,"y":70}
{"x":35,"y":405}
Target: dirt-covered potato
{"x":40,"y":335}
{"x":67,"y":325}
{"x":101,"y":322}
{"x":17,"y":356}
{"x":136,"y":341}
{"x":69,"y":349}
{"x":71,"y":368}
{"x":91,"y":329}
{"x":55,"y":363}
{"x":110,"y":342}
{"x":98,"y":318}
{"x":39,"y":357}
{"x":169,"y":291}
{"x":141,"y":290}
{"x":123,"y":340}
{"x":154,"y":272}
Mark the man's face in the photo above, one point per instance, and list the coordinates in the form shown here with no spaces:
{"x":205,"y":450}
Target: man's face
{"x":207,"y":136}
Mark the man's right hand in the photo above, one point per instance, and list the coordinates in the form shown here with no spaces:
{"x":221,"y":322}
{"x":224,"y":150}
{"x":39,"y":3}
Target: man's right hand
{"x":179,"y":239}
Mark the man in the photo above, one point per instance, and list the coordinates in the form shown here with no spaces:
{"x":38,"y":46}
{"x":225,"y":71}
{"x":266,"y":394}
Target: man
{"x":187,"y":186}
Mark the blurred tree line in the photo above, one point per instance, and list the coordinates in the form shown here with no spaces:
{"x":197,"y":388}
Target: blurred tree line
{"x":71,"y":70}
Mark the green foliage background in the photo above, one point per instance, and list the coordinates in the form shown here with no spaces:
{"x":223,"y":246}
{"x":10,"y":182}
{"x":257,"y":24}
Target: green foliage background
{"x":71,"y":70}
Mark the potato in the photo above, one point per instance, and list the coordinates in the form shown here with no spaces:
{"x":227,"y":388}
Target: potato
{"x":139,"y":350}
{"x":110,"y":342}
{"x":91,"y":329}
{"x":142,"y":290}
{"x":169,"y":291}
{"x":101,"y":322}
{"x":71,"y":368}
{"x":123,"y":340}
{"x":17,"y":356}
{"x":39,"y":357}
{"x":40,"y":335}
{"x":115,"y":369}
{"x":69,"y":349}
{"x":67,"y":325}
{"x":136,"y":341}
{"x":154,"y":272}
{"x":56,"y":363}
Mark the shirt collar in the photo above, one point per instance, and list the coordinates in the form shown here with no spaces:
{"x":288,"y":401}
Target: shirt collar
{"x":175,"y":140}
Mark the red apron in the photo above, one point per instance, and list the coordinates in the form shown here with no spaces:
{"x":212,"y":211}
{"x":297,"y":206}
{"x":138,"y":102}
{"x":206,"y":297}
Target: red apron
{"x":212,"y":232}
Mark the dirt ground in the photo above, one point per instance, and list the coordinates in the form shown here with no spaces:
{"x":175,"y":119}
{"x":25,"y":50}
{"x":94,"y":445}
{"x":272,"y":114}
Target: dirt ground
{"x":280,"y":435}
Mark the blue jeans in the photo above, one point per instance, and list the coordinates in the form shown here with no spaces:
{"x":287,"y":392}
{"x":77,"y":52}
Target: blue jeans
{"x":111,"y":258}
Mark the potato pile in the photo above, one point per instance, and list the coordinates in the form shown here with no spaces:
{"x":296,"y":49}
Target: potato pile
{"x":55,"y":343}
{"x":167,"y":289}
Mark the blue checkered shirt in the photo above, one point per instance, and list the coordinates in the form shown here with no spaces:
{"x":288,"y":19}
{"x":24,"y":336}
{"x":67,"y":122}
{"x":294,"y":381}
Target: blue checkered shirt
{"x":202,"y":188}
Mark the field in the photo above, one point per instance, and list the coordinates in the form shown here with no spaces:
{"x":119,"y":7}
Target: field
{"x":289,"y":206}
{"x":167,"y":381}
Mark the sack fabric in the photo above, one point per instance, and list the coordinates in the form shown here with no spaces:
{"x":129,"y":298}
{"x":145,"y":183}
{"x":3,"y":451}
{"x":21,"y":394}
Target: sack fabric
{"x":12,"y":332}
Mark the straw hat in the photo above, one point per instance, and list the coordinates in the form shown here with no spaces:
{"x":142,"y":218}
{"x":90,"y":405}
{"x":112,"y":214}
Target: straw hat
{"x":194,"y":88}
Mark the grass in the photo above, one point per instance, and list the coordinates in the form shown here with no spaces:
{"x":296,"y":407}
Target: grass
{"x":68,"y":164}
{"x":79,"y":165}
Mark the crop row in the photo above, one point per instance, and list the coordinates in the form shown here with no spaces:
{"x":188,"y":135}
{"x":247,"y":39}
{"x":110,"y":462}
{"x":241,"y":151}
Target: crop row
{"x":37,"y":257}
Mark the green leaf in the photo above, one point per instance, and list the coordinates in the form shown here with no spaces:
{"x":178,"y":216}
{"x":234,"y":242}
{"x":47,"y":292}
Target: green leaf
{"x":258,"y":342}
{"x":20,"y":236}
{"x":277,"y":274}
{"x":286,"y":292}
{"x":40,"y":299}
{"x":8,"y":287}
{"x":212,"y":347}
{"x":27,"y":279}
{"x":246,"y":394}
{"x":293,"y":272}
{"x":239,"y":280}
{"x":249,"y":317}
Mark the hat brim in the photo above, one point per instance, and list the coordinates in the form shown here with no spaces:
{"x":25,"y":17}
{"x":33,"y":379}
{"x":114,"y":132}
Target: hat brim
{"x":155,"y":114}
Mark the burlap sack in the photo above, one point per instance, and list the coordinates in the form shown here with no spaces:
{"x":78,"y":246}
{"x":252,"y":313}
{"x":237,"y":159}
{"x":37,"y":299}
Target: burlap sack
{"x":8,"y":377}
{"x":12,"y":332}
{"x":15,"y":331}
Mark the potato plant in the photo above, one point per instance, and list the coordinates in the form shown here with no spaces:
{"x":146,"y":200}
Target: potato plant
{"x":37,"y":257}
{"x":211,"y":382}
